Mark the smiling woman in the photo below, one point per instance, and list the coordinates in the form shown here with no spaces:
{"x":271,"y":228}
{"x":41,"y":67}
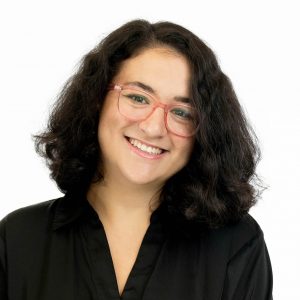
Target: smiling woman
{"x":157,"y":162}
{"x":126,"y":131}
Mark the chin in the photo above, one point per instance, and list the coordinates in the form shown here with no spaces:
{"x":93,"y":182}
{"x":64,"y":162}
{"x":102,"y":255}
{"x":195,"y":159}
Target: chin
{"x":144,"y":179}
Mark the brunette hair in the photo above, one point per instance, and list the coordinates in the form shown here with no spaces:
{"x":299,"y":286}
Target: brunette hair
{"x":219,"y":183}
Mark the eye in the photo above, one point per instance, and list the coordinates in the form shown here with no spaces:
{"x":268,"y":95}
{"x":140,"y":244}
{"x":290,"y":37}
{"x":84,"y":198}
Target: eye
{"x":182,"y":113}
{"x":135,"y":98}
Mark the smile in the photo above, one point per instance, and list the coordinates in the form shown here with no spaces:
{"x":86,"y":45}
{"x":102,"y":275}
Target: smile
{"x":145,"y":148}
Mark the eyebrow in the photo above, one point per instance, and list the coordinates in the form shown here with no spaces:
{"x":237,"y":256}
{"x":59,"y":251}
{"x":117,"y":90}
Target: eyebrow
{"x":149,"y":89}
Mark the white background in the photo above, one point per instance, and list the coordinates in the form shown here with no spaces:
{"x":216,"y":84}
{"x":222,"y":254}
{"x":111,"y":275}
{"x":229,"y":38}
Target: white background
{"x":257,"y":43}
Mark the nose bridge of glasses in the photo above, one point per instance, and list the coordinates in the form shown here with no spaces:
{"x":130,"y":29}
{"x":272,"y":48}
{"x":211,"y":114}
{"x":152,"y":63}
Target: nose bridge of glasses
{"x":156,"y":112}
{"x":156,"y":119}
{"x":158,"y":104}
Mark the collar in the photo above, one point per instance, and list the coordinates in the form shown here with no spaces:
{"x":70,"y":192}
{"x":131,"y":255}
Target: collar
{"x":71,"y":209}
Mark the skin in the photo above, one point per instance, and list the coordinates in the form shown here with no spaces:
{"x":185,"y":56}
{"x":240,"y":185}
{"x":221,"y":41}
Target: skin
{"x":130,"y":180}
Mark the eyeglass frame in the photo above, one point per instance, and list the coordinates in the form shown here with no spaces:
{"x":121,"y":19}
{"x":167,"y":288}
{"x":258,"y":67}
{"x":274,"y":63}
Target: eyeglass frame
{"x":158,"y":103}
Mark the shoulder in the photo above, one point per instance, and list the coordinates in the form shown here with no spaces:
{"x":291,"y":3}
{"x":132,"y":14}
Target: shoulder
{"x":233,"y":238}
{"x":244,"y":231}
{"x":29,"y":218}
{"x":248,"y":265}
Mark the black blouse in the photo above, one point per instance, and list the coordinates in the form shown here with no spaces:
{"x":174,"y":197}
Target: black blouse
{"x":58,"y":250}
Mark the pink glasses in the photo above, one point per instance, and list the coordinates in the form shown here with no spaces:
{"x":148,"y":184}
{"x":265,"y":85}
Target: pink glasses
{"x":137,"y":105}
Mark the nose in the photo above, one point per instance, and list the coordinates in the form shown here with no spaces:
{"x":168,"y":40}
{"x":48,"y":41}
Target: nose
{"x":154,"y":125}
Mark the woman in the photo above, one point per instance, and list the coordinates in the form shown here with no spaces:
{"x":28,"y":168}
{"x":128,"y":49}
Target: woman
{"x":152,"y":150}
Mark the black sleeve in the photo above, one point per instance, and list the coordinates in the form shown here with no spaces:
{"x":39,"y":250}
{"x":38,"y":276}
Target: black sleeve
{"x":3,"y":276}
{"x":249,"y":273}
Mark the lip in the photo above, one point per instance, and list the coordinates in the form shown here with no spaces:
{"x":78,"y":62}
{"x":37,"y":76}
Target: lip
{"x":145,"y":143}
{"x":143,"y":153}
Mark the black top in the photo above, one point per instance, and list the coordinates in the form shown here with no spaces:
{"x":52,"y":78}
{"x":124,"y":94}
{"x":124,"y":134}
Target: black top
{"x":58,"y":250}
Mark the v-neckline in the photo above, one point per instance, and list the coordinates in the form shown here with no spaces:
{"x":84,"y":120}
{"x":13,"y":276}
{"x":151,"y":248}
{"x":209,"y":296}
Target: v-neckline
{"x":101,"y":261}
{"x":136,"y":261}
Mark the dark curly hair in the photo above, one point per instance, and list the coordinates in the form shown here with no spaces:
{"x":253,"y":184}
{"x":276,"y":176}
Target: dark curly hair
{"x":217,"y":186}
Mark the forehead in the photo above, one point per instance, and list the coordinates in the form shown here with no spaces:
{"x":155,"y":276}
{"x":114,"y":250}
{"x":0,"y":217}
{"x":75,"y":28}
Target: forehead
{"x":165,"y":70}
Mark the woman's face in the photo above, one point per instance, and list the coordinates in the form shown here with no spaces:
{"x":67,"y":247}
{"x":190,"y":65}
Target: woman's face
{"x":167,"y":73}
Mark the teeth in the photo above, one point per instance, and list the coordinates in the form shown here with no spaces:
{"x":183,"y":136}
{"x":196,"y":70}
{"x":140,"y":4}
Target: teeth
{"x":144,"y":147}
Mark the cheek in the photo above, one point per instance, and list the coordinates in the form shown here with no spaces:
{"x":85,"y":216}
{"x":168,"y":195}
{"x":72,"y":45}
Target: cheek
{"x":106,"y":123}
{"x":185,"y":148}
{"x":111,"y":127}
{"x":183,"y":151}
{"x":109,"y":115}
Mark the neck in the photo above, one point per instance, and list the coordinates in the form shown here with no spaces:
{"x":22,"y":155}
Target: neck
{"x":122,"y":204}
